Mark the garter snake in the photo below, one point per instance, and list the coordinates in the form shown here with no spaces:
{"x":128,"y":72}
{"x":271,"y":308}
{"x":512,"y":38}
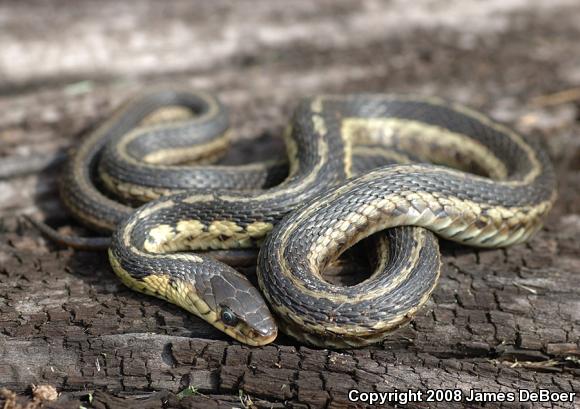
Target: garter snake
{"x":497,"y":195}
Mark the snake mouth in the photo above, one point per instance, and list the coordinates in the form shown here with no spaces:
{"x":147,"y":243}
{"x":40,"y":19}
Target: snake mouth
{"x":247,"y":335}
{"x":257,"y":339}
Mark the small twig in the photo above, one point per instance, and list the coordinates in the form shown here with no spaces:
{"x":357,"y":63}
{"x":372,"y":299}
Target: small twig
{"x":525,"y":287}
{"x":540,"y":364}
{"x":557,"y":98}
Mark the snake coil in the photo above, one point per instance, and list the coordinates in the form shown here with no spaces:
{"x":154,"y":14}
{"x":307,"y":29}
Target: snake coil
{"x":499,"y":190}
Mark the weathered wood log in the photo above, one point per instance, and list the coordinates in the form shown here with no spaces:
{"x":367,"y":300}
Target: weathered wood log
{"x":499,"y":320}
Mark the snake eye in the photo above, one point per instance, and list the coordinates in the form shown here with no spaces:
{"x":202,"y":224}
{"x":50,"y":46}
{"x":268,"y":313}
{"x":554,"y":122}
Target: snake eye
{"x":228,"y":317}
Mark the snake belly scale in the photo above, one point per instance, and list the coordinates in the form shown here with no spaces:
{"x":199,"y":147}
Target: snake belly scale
{"x":497,"y":195}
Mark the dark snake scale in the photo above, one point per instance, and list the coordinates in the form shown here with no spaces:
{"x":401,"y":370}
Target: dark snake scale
{"x":472,"y":181}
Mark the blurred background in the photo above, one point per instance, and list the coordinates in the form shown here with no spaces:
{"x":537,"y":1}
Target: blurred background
{"x":65,"y":65}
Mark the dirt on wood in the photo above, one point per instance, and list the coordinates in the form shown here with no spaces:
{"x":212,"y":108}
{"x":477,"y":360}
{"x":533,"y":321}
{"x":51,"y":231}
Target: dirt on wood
{"x":499,"y":320}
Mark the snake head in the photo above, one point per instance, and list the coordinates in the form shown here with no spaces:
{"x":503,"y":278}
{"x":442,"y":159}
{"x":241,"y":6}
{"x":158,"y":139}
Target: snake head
{"x":236,"y":307}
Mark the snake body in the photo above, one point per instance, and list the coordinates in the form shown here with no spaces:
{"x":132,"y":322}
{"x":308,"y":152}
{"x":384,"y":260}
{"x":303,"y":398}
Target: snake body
{"x":498,"y":195}
{"x":129,"y":154}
